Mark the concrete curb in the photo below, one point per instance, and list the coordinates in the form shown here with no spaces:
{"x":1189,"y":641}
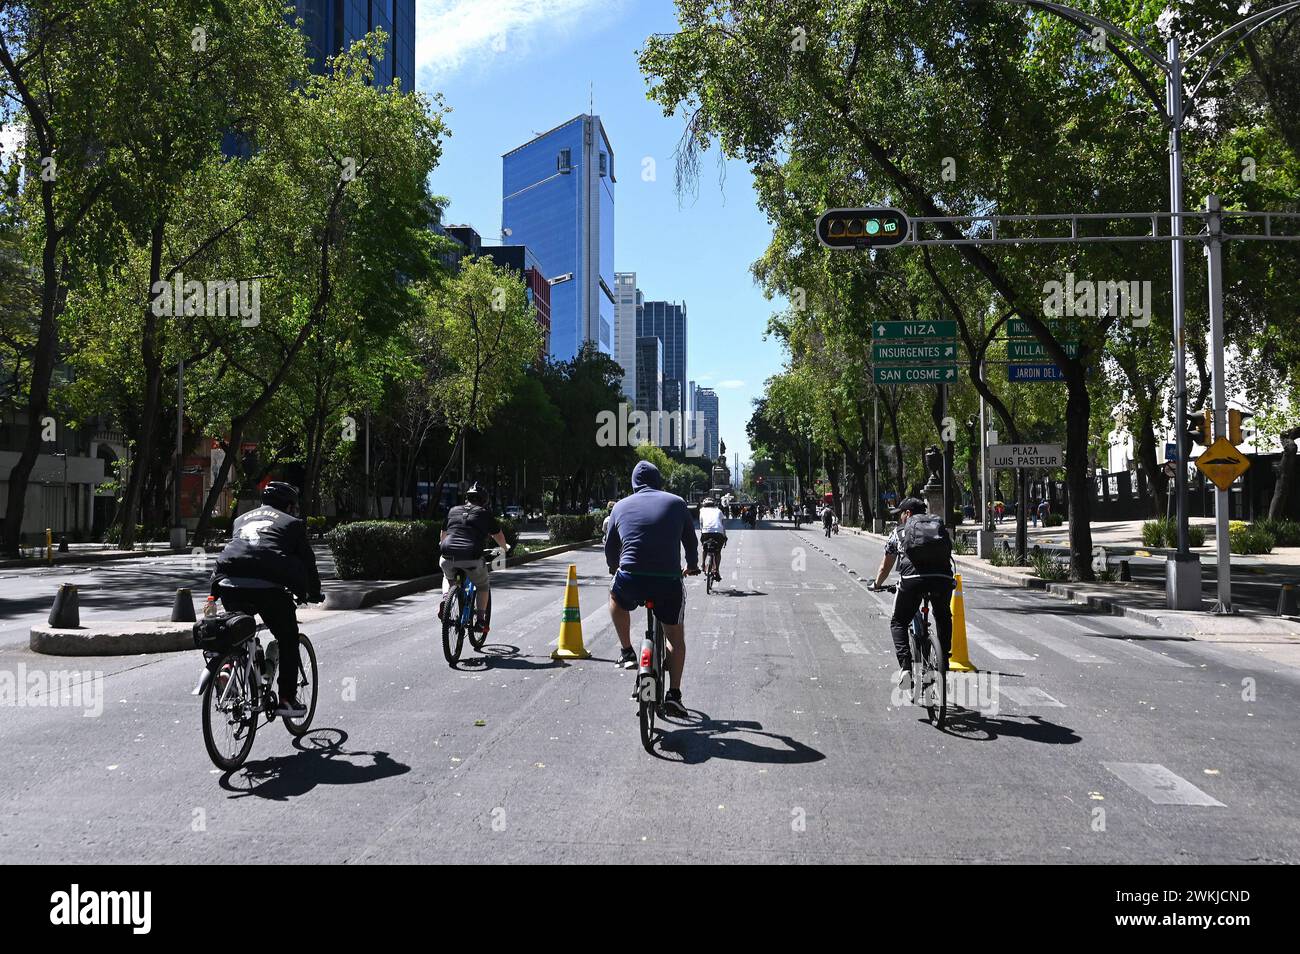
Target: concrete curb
{"x":101,"y":557}
{"x":112,"y":639}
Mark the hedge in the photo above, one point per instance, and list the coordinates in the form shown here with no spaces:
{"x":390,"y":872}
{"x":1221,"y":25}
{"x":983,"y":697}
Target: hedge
{"x":1286,"y":533}
{"x":1249,"y":538}
{"x":574,"y":528}
{"x":1164,"y":533}
{"x":385,"y":549}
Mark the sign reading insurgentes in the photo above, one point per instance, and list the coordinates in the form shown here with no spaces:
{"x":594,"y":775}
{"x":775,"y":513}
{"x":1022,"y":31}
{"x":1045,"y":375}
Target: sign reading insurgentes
{"x":1026,"y":455}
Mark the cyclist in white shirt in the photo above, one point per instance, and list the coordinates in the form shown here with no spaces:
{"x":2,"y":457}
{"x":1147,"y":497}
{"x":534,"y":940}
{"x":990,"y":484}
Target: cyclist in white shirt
{"x":713,"y":532}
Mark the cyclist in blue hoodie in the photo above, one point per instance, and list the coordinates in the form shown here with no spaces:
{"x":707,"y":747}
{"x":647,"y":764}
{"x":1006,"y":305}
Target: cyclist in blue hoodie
{"x":648,"y":530}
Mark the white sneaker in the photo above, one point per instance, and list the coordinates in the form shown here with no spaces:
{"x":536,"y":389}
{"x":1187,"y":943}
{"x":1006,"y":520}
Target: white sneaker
{"x":903,"y":678}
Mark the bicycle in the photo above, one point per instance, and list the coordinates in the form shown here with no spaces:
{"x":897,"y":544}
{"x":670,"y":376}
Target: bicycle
{"x":650,"y":677}
{"x":929,"y":663}
{"x":236,"y":687}
{"x":457,"y":612}
{"x":712,"y":554}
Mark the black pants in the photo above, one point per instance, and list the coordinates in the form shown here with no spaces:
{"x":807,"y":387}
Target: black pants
{"x":906,"y":603}
{"x":278,"y":612}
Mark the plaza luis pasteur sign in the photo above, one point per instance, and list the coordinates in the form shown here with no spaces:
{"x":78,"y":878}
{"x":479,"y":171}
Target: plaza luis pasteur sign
{"x":1026,"y":455}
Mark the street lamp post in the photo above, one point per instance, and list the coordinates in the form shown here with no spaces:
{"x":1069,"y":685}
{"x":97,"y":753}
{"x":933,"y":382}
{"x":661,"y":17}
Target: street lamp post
{"x":1183,"y":569}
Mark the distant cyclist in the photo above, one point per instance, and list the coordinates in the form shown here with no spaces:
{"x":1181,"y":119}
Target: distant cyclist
{"x":921,"y":545}
{"x":828,"y":520}
{"x":268,"y":558}
{"x":464,"y":537}
{"x":648,"y":531}
{"x":713,"y":532}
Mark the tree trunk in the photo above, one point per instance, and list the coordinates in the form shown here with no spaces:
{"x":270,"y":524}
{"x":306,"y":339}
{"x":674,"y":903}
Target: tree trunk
{"x":1146,"y":448}
{"x":1077,"y":478}
{"x":1277,"y":507}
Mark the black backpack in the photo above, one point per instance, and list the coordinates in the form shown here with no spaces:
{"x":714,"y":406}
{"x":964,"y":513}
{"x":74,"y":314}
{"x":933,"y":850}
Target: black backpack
{"x":223,"y":632}
{"x":926,"y":543}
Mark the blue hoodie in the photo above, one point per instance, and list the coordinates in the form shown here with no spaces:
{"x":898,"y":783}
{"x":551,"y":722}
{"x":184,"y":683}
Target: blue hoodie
{"x":648,"y":529}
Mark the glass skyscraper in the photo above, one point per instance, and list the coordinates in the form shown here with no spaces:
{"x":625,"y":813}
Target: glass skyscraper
{"x":558,"y":199}
{"x":706,"y":406}
{"x":333,"y":25}
{"x":667,"y":322}
{"x":627,"y":300}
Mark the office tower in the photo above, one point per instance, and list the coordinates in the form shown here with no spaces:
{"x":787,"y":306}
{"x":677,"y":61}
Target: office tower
{"x":650,"y":383}
{"x":558,"y":199}
{"x":706,"y":416}
{"x":667,"y":322}
{"x":627,"y":299}
{"x":333,"y":25}
{"x":520,"y":260}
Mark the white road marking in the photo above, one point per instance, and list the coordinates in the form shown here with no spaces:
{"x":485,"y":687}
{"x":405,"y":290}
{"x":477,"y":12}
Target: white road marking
{"x":1064,"y":647}
{"x":991,"y":644}
{"x":1160,"y":785}
{"x":1134,"y":649}
{"x":1030,"y":696}
{"x":843,"y":633}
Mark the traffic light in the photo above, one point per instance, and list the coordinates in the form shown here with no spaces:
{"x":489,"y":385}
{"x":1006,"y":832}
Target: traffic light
{"x":1200,"y":427}
{"x":862,"y":228}
{"x":1235,"y":419}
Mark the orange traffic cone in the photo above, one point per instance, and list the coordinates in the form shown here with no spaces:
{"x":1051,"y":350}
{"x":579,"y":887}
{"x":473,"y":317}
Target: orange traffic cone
{"x":959,"y":657}
{"x":570,"y":642}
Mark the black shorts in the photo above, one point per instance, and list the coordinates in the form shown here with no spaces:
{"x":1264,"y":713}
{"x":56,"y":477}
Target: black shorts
{"x":667,"y":593}
{"x":708,"y":539}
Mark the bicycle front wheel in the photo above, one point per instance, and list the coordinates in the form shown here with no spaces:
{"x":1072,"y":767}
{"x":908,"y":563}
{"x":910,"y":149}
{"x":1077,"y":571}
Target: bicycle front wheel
{"x":918,"y":668}
{"x":306,"y":687}
{"x":453,"y":626}
{"x":229,"y":717}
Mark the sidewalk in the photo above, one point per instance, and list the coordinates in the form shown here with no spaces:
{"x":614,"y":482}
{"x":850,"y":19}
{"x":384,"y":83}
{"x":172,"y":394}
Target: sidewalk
{"x":1146,"y":603}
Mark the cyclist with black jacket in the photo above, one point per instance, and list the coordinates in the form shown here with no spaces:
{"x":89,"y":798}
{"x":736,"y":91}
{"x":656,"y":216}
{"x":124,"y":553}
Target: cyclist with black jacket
{"x":924,"y":555}
{"x":465,"y":536}
{"x":267,"y":559}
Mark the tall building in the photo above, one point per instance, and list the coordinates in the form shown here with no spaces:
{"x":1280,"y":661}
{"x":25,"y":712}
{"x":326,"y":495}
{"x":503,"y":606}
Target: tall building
{"x":333,"y":25}
{"x":706,"y":414}
{"x":558,"y":199}
{"x":627,"y":301}
{"x":667,"y":322}
{"x":650,"y":383}
{"x":520,"y":260}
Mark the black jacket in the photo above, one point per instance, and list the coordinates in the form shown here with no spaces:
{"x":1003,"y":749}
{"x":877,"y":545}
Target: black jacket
{"x":269,"y":544}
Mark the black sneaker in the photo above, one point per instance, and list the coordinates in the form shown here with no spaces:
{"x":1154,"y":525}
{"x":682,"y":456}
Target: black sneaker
{"x":627,"y":658}
{"x":673,"y":705}
{"x":291,"y":709}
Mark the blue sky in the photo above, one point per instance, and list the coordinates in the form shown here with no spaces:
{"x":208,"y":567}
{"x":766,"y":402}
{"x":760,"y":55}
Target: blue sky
{"x":512,"y":68}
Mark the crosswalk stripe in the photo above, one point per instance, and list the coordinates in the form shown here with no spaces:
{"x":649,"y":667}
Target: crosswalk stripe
{"x":992,"y":645}
{"x":1160,"y":785}
{"x":1136,"y":650}
{"x":1063,"y":647}
{"x":1030,"y":696}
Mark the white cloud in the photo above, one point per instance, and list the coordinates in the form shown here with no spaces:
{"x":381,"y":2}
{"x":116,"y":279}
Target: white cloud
{"x":730,"y":384}
{"x":451,"y":33}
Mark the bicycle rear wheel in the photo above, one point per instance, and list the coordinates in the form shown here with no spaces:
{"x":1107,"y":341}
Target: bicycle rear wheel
{"x":229,"y":716}
{"x":709,"y":561}
{"x":937,"y":667}
{"x":306,"y":687}
{"x":453,"y":626}
{"x":918,"y":667}
{"x":477,"y":635}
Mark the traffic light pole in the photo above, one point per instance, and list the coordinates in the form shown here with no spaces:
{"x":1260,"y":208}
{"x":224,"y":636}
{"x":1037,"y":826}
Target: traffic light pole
{"x":1214,"y":252}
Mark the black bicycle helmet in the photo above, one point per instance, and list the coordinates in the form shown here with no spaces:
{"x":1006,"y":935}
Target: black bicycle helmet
{"x":476,"y":494}
{"x":280,"y":495}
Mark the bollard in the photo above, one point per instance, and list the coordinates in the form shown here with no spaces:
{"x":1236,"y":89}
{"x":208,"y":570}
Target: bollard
{"x":49,"y":546}
{"x":1286,"y":602}
{"x":183,"y":606}
{"x":65,"y":614}
{"x":1125,"y":575}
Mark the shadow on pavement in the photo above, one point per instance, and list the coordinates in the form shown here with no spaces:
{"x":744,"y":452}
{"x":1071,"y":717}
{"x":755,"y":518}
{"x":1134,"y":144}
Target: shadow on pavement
{"x":320,"y":760}
{"x":704,"y":738}
{"x":977,"y":727}
{"x":735,"y":592}
{"x":502,"y":656}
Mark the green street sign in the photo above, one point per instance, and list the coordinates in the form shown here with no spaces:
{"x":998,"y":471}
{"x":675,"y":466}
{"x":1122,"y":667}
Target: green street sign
{"x":916,"y":374}
{"x":1034,"y":351}
{"x":891,"y":330}
{"x":1019,"y":328}
{"x":883,"y":352}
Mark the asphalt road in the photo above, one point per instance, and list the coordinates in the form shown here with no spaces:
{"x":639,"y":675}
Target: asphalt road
{"x":1090,"y":739}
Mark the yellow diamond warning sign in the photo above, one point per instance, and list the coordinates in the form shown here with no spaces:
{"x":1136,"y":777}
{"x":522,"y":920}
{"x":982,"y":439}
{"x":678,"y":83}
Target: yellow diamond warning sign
{"x":1222,"y":463}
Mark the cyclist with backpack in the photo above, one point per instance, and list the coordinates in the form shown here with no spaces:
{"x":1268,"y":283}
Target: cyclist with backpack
{"x":922,"y":548}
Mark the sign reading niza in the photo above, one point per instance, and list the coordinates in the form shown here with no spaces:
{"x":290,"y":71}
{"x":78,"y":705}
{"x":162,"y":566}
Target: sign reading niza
{"x":1026,"y":455}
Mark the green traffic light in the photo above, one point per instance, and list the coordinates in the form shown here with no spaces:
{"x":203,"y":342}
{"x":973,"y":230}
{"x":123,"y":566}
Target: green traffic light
{"x":873,"y":226}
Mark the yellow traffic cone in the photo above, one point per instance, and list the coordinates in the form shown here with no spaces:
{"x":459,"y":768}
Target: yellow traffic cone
{"x":959,"y":657}
{"x":570,"y":643}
